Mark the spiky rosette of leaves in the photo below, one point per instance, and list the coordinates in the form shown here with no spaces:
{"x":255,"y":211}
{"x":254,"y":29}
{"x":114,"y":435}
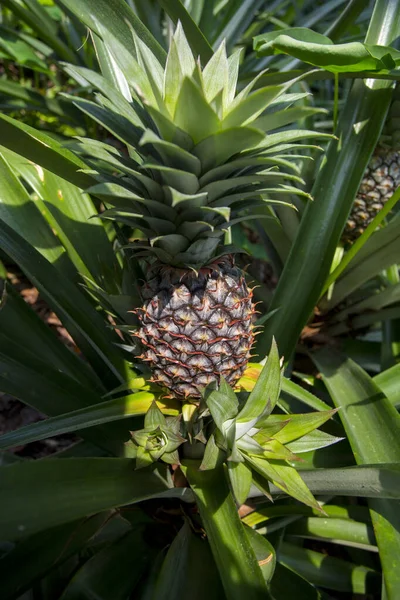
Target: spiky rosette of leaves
{"x":257,"y":446}
{"x":201,"y":156}
{"x":158,"y":440}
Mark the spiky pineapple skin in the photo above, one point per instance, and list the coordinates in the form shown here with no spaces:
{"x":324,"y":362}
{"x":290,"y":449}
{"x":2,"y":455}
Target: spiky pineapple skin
{"x":381,"y":179}
{"x":196,"y":327}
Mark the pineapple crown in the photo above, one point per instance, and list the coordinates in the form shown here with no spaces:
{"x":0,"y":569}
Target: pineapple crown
{"x":201,"y":157}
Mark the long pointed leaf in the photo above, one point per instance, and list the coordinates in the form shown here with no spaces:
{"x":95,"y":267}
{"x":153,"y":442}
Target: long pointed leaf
{"x":373,"y":427}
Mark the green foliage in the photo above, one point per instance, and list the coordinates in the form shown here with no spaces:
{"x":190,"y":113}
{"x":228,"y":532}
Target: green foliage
{"x":146,"y":504}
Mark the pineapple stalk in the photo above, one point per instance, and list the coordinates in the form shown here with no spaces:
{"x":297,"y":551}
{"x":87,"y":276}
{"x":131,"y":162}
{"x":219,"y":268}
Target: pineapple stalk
{"x":240,"y":573}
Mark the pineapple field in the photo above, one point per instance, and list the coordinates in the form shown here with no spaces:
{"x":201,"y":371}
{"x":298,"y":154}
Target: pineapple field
{"x":199,"y":300}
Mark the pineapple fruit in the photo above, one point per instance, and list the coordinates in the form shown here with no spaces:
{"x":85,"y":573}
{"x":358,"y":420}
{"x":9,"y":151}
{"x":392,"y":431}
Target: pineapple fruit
{"x":200,"y":161}
{"x":381,"y":177}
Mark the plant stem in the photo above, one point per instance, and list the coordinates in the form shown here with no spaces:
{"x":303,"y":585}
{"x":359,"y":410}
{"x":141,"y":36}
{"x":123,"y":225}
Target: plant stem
{"x":237,"y":564}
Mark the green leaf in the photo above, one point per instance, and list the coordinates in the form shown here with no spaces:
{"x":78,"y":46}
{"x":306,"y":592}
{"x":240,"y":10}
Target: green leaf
{"x":288,"y":584}
{"x":328,"y":571}
{"x":264,"y":552}
{"x":113,"y":21}
{"x":264,"y":396}
{"x":172,"y":155}
{"x":216,"y":73}
{"x":36,"y":17}
{"x":313,"y":441}
{"x":318,"y":50}
{"x":193,"y":114}
{"x":68,"y":212}
{"x":179,"y":15}
{"x":223,"y":405}
{"x":69,"y":303}
{"x":16,"y":318}
{"x":112,"y":573}
{"x":251,"y":107}
{"x":379,"y":253}
{"x":109,"y":68}
{"x":217,"y":148}
{"x":154,"y":416}
{"x":83,"y":418}
{"x":20,"y":213}
{"x":369,"y":481}
{"x":240,"y":479}
{"x":388,"y":382}
{"x":43,"y":150}
{"x":41,"y":552}
{"x":372,"y":425}
{"x":286,"y":478}
{"x":237,"y":564}
{"x":292,"y":389}
{"x":213,"y":455}
{"x":65,"y":490}
{"x":296,"y":425}
{"x":188,"y":571}
{"x":342,"y":531}
{"x":180,"y":64}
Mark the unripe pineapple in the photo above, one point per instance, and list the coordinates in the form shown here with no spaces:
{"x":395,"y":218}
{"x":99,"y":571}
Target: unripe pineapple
{"x":197,"y":326}
{"x":381,"y":178}
{"x":199,"y":162}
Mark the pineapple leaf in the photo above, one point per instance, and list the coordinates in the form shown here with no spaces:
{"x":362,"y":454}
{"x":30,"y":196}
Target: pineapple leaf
{"x":248,"y":444}
{"x":112,"y":21}
{"x":109,"y":68}
{"x":171,"y":154}
{"x":180,"y":65}
{"x":44,"y":150}
{"x":154,"y":417}
{"x":219,"y":147}
{"x":223,"y":406}
{"x":180,"y":16}
{"x":313,"y":441}
{"x":274,"y":450}
{"x":106,"y":88}
{"x":287,"y":479}
{"x":251,"y":107}
{"x":319,"y":50}
{"x":233,"y":73}
{"x":296,"y":425}
{"x":240,"y":478}
{"x":265,"y":393}
{"x":193,"y":114}
{"x":184,"y":182}
{"x":199,"y":253}
{"x":173,"y":243}
{"x":169,"y":130}
{"x":215,"y":73}
{"x":117,"y":124}
{"x":285,"y":117}
{"x":213,"y":455}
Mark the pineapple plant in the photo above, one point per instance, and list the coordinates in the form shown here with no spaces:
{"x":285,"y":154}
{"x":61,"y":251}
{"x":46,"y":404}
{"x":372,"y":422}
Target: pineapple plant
{"x":381,"y":177}
{"x":200,"y":161}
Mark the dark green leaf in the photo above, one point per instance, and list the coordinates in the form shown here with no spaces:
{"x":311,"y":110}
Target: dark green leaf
{"x":61,"y":491}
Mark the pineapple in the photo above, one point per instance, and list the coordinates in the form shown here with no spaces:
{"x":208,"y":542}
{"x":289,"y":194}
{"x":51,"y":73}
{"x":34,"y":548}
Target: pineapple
{"x":381,"y":178}
{"x":200,"y":161}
